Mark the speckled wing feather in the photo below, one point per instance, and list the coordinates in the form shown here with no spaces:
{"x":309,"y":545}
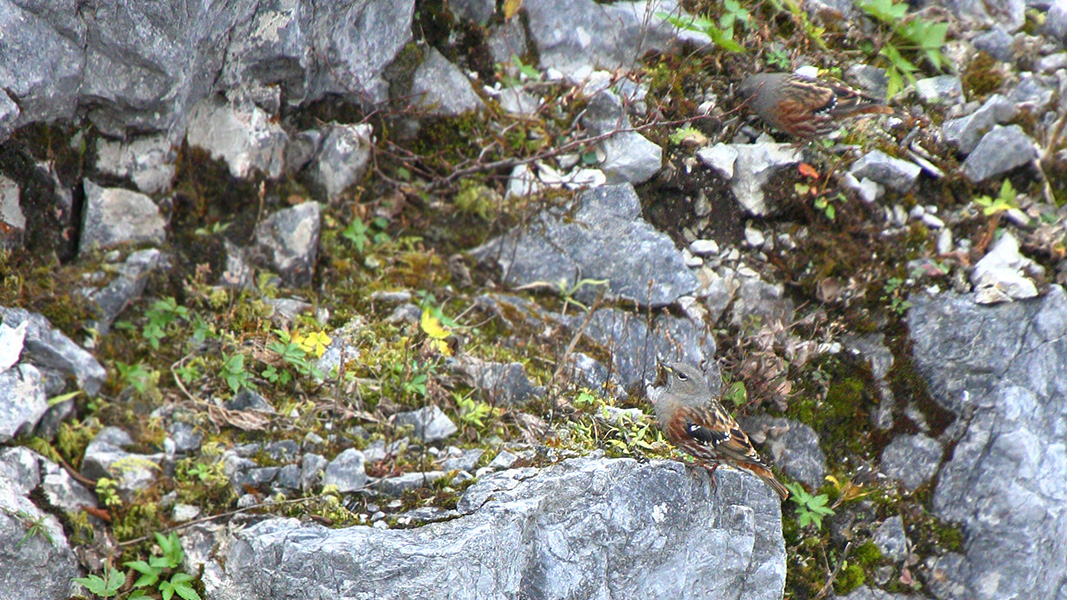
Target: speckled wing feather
{"x":710,"y":433}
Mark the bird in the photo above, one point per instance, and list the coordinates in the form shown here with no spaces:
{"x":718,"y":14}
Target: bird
{"x":803,"y":106}
{"x":695,"y":421}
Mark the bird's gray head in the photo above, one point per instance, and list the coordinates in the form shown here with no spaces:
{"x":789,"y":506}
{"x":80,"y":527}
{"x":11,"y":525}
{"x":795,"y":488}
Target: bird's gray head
{"x":679,"y":382}
{"x":753,"y":84}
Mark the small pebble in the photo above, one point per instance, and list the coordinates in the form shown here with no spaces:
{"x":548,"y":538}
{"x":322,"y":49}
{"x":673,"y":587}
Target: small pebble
{"x":704,"y":247}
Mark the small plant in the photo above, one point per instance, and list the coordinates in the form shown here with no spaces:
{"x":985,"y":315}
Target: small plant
{"x":161,"y":316}
{"x":214,"y":228}
{"x":721,"y":33}
{"x":314,"y":343}
{"x":810,"y":509}
{"x":360,"y":233}
{"x":910,"y":34}
{"x":779,"y":59}
{"x":800,"y":17}
{"x":137,"y":376}
{"x":34,"y":526}
{"x":1004,"y":201}
{"x":683,"y":133}
{"x":106,"y":586}
{"x":521,"y":70}
{"x":107,"y":490}
{"x":893,"y":289}
{"x":587,"y":399}
{"x":471,"y":411}
{"x":826,"y":204}
{"x":298,"y":351}
{"x":736,"y":394}
{"x":565,"y":292}
{"x":234,"y":374}
{"x":475,"y":198}
{"x":157,"y":567}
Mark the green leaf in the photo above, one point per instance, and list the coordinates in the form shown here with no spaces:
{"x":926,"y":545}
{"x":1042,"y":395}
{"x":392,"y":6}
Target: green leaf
{"x":106,"y":586}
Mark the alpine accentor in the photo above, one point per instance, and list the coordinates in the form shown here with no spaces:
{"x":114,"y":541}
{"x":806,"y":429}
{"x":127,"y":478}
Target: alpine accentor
{"x":805,"y":107}
{"x":696,"y":422}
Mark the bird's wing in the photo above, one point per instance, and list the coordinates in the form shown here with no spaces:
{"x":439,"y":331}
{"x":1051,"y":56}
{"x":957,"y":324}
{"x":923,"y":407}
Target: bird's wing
{"x":714,"y":427}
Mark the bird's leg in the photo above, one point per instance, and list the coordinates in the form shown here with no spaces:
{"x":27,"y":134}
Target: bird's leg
{"x":711,"y":472}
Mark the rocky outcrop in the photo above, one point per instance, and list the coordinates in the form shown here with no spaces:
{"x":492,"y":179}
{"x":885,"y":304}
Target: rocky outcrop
{"x":584,"y":528}
{"x":1003,"y":370}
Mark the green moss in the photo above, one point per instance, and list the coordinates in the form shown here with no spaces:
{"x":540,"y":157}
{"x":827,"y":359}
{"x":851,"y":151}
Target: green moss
{"x":949,"y":537}
{"x":867,"y":555}
{"x":981,"y":77}
{"x":850,"y":578}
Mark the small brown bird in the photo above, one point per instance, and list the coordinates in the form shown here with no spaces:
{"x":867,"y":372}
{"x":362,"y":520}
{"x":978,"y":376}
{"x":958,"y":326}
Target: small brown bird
{"x":695,"y":422}
{"x":805,"y":107}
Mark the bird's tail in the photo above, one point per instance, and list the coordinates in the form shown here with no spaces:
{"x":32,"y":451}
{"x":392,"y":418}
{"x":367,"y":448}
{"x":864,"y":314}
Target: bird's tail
{"x":767,"y":476}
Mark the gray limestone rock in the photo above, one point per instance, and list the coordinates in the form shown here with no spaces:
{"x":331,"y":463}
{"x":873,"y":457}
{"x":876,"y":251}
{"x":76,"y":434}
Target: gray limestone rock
{"x":9,"y":114}
{"x":478,"y":11}
{"x":431,"y":423}
{"x":1056,"y":23}
{"x":628,"y":157}
{"x":891,"y":539}
{"x":599,"y":235}
{"x":502,"y":460}
{"x":942,"y":89}
{"x":791,"y":445}
{"x":754,"y":167}
{"x":581,"y":529}
{"x":893,"y":173}
{"x":273,"y":48}
{"x":1002,"y":369}
{"x":577,"y":36}
{"x":720,"y":157}
{"x":441,"y":88}
{"x":48,"y":348}
{"x":185,"y":437}
{"x":149,"y":162}
{"x":996,"y":42}
{"x":343,"y":156}
{"x":504,"y":384}
{"x":967,"y":131}
{"x":147,"y":63}
{"x":345,"y":471}
{"x":41,"y":63}
{"x":115,"y":216}
{"x":507,"y":40}
{"x":312,"y":469}
{"x":33,"y":565}
{"x":105,"y":457}
{"x":634,"y":346}
{"x":22,"y":401}
{"x":911,"y":459}
{"x":126,"y":286}
{"x":1000,"y":151}
{"x":864,"y":592}
{"x":464,"y":462}
{"x":288,"y":478}
{"x":247,"y":399}
{"x":1032,"y":93}
{"x":353,"y":42}
{"x":11,"y":216}
{"x":239,"y":133}
{"x":1007,"y":13}
{"x":289,"y":241}
{"x":395,"y":486}
{"x":758,"y":299}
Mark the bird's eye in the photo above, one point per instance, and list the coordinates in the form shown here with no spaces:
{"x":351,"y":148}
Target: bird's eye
{"x":682,"y":376}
